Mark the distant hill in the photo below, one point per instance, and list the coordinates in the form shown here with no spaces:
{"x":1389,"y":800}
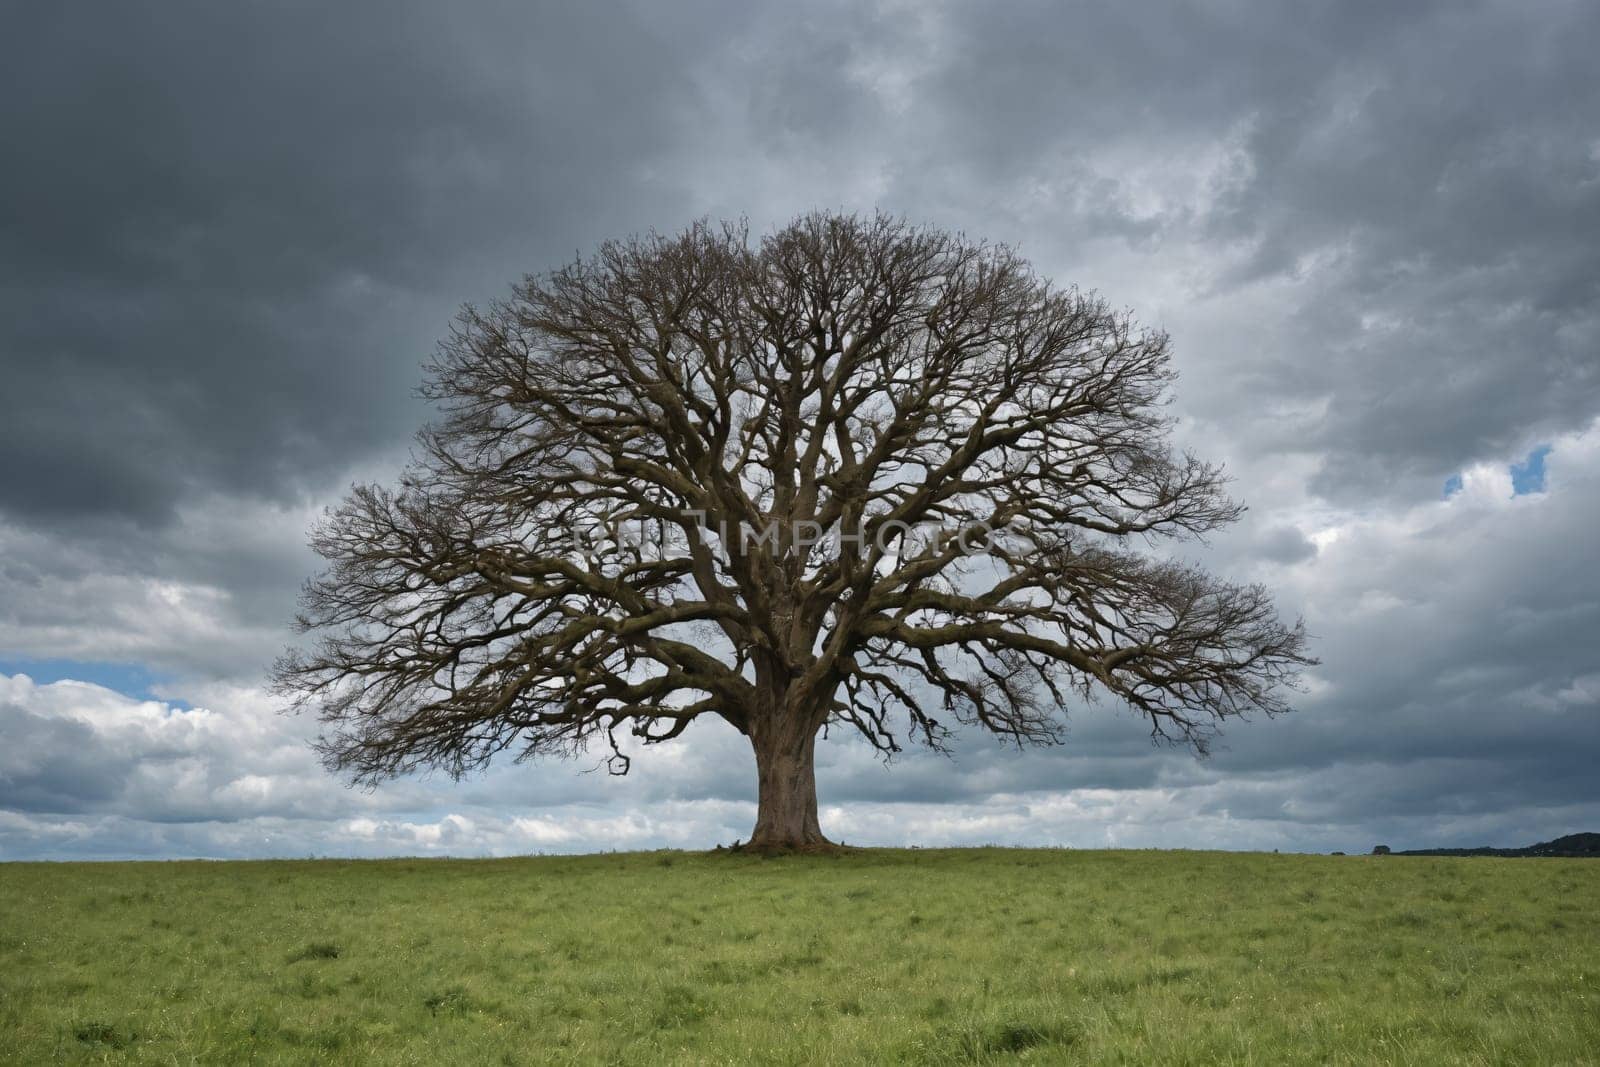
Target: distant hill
{"x":1571,"y":846}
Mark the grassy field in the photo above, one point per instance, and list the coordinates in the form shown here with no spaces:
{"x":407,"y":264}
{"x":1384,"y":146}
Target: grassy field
{"x":973,"y":956}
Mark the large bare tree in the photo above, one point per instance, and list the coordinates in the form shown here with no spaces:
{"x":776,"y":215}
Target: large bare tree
{"x":854,"y":475}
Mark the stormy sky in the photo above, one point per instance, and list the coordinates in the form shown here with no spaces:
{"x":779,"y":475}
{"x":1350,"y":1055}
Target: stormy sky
{"x":232,"y":234}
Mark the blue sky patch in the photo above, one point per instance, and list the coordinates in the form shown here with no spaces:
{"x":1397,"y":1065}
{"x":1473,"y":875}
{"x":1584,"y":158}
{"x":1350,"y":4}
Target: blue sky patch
{"x":129,"y":679}
{"x":1528,"y":476}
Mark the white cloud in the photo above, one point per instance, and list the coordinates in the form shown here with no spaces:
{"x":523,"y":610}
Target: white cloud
{"x":1394,"y":596}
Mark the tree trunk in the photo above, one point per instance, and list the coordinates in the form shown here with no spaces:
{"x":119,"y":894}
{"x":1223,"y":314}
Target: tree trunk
{"x":786,"y":775}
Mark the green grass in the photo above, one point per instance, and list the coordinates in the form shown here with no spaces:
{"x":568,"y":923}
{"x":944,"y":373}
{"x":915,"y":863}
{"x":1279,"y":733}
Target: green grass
{"x":939,"y":957}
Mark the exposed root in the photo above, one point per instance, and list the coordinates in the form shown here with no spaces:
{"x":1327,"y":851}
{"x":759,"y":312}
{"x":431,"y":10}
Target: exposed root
{"x":818,"y":847}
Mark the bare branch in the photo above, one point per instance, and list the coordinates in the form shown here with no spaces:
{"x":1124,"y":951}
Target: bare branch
{"x":857,"y":474}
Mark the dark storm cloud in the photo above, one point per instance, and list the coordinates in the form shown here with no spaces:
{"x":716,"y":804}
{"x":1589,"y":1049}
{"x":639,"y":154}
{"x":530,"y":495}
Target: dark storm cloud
{"x":237,"y":231}
{"x":234,"y":232}
{"x":54,"y":765}
{"x":1431,"y":174}
{"x":1453,"y":172}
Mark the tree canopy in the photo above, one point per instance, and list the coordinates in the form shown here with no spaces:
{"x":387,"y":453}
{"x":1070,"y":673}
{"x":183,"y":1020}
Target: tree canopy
{"x":852,"y":475}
